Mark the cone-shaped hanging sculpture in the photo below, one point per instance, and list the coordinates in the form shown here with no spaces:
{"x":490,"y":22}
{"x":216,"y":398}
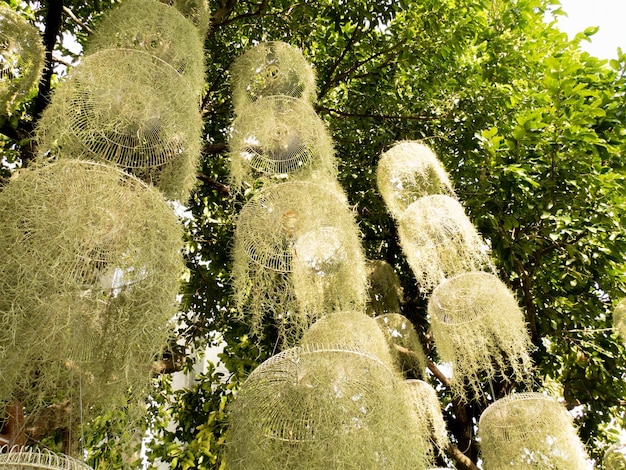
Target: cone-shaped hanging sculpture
{"x":279,"y":135}
{"x":350,"y":328}
{"x":615,"y":458}
{"x":271,"y":68}
{"x":91,"y":268}
{"x":322,"y":408}
{"x":127,"y":121}
{"x":619,"y":318}
{"x":423,"y":399}
{"x":39,"y":459}
{"x":408,"y":171}
{"x":21,"y":59}
{"x":529,"y":431}
{"x":385,"y":290}
{"x":479,"y":329}
{"x":157,"y":29}
{"x":297,"y":256}
{"x":405,"y":343}
{"x":440,"y":241}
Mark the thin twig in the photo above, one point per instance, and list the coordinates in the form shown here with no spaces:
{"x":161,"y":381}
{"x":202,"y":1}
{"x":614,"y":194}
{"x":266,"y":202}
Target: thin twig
{"x":71,"y":14}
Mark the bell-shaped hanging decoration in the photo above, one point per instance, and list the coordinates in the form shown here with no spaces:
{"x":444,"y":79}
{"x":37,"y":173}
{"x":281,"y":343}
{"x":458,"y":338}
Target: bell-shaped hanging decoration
{"x":38,"y":459}
{"x":529,"y":431}
{"x":615,"y":457}
{"x":479,"y":329}
{"x":405,"y":343}
{"x":385,"y":290}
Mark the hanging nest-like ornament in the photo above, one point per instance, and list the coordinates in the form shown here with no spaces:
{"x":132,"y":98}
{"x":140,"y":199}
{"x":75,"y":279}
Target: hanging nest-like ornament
{"x":146,"y":121}
{"x":22,"y":58}
{"x":408,"y":171}
{"x":619,"y":318}
{"x":90,"y":269}
{"x":405,"y":343}
{"x":196,"y":11}
{"x":39,"y":459}
{"x":271,"y":68}
{"x":309,"y":408}
{"x":615,"y":457}
{"x":439,"y":241}
{"x":279,"y":136}
{"x":529,"y":431}
{"x":385,"y":291}
{"x":297,"y":256}
{"x":427,"y":411}
{"x":350,"y":328}
{"x":480,"y":330}
{"x":157,"y":29}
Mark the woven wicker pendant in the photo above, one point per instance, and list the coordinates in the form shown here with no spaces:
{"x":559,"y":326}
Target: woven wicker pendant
{"x":529,"y":431}
{"x":21,"y":59}
{"x":480,"y":330}
{"x":127,"y":121}
{"x":408,"y":171}
{"x":271,"y":68}
{"x":405,"y":343}
{"x":440,"y":241}
{"x":322,"y":408}
{"x":39,"y":459}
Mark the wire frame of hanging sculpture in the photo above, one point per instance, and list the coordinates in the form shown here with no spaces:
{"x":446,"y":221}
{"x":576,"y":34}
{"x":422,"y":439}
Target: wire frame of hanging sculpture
{"x":322,"y":408}
{"x":90,"y":270}
{"x":405,"y":343}
{"x":480,"y":330}
{"x":615,"y":457}
{"x":145,"y":120}
{"x":21,"y":59}
{"x":271,"y":68}
{"x":385,"y":294}
{"x":37,"y":459}
{"x":439,"y":241}
{"x":408,"y":171}
{"x":427,"y":411}
{"x":529,"y":431}
{"x":279,"y":137}
{"x":297,"y":255}
{"x":349,"y":328}
{"x":619,"y":318}
{"x":157,"y":29}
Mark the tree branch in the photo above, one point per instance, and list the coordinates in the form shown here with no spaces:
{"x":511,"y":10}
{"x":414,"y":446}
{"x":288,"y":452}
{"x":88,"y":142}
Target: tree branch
{"x":221,"y":188}
{"x":340,"y":113}
{"x":464,"y":462}
{"x":437,"y":373}
{"x":328,"y":81}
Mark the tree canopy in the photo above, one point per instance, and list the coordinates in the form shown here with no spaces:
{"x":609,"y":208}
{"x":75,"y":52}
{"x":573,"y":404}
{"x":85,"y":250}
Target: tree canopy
{"x":531,"y":129}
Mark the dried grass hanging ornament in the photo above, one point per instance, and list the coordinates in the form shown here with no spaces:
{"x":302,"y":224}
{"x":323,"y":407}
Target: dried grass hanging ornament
{"x":90,"y":269}
{"x":427,"y":409}
{"x":22,"y":58}
{"x":615,"y":457}
{"x":282,"y":137}
{"x":529,"y":431}
{"x":196,"y":11}
{"x":440,"y":241}
{"x":146,"y":121}
{"x":404,"y":341}
{"x":349,"y":328}
{"x":480,"y":330}
{"x":283,"y":266}
{"x":322,"y":408}
{"x":619,"y":318}
{"x":385,"y":291}
{"x":408,"y":171}
{"x":271,"y":68}
{"x":38,"y":459}
{"x":157,"y":29}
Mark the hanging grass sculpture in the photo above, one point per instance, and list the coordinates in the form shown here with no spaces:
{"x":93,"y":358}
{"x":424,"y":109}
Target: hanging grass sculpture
{"x":615,"y":458}
{"x":529,"y":431}
{"x":271,"y":68}
{"x":279,"y":135}
{"x":408,"y":171}
{"x":90,"y":270}
{"x":480,"y":330}
{"x":385,"y":291}
{"x":127,"y":121}
{"x":157,"y":29}
{"x":427,"y":409}
{"x":350,"y":328}
{"x":39,"y":459}
{"x":440,"y":241}
{"x":196,"y":11}
{"x":404,"y":341}
{"x":619,"y":318}
{"x":297,"y":255}
{"x":22,"y":59}
{"x":309,"y":408}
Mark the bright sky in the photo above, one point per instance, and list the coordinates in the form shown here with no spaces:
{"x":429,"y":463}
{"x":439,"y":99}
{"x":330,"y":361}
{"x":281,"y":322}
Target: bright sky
{"x":609,"y":15}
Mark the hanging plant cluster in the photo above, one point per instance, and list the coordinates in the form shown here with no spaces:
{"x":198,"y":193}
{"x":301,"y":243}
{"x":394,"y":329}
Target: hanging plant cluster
{"x":147,"y":120}
{"x":22,"y":59}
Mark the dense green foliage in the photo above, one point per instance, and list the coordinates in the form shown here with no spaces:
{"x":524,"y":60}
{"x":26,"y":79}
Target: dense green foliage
{"x":531,"y":130}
